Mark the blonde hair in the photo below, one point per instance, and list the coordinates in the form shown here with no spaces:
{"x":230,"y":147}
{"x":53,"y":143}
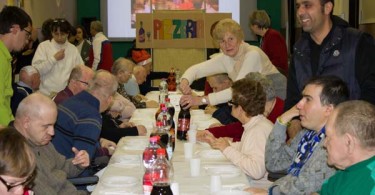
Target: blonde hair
{"x":16,"y":157}
{"x":227,"y":25}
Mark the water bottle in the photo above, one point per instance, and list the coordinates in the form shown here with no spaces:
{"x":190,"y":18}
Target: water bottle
{"x":183,"y":123}
{"x":161,"y":174}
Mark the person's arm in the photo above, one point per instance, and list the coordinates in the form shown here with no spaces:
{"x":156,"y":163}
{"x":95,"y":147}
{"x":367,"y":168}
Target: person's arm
{"x":43,"y":60}
{"x":310,"y":179}
{"x":5,"y":94}
{"x":365,"y":67}
{"x":231,"y":130}
{"x":97,"y":49}
{"x":250,"y":157}
{"x":64,"y":164}
{"x":279,"y":155}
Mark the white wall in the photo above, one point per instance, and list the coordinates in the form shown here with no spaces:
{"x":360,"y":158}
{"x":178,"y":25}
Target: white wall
{"x":40,"y":10}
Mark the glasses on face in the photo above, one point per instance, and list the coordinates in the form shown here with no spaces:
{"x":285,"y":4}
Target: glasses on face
{"x":28,"y":33}
{"x":59,"y":21}
{"x":232,"y":103}
{"x":86,"y":83}
{"x":230,"y":40}
{"x":10,"y":187}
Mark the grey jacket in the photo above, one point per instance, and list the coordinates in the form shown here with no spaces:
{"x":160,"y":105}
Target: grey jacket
{"x":52,"y":172}
{"x":279,"y":156}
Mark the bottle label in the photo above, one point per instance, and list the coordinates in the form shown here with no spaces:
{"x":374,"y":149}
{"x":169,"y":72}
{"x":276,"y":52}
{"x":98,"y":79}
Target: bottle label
{"x":183,"y":124}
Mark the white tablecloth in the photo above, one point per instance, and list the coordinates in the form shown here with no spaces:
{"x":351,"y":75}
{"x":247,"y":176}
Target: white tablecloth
{"x":126,"y":162}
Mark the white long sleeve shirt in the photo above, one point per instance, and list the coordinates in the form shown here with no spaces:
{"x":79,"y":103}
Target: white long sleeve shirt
{"x":54,"y":74}
{"x":255,"y":60}
{"x":97,"y":48}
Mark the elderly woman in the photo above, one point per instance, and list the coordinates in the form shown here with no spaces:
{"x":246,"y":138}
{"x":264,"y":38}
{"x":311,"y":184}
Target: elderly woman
{"x":237,"y":59}
{"x":17,"y":163}
{"x":273,"y":109}
{"x":248,"y":104}
{"x":271,"y":42}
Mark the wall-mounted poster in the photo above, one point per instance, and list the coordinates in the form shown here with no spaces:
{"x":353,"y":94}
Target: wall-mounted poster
{"x":176,"y":29}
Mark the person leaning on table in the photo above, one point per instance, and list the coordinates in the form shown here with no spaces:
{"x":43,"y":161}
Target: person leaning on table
{"x":237,"y":59}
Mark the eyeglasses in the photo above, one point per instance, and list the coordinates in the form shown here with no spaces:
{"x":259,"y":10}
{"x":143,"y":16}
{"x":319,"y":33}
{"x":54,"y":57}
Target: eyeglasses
{"x":86,"y":83}
{"x":28,"y":33}
{"x":9,"y":186}
{"x":59,"y":21}
{"x":232,"y":103}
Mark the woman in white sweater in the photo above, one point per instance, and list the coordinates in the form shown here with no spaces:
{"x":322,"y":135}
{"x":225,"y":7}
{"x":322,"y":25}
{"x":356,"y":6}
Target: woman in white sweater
{"x":247,"y":103}
{"x":237,"y":59}
{"x":56,"y":58}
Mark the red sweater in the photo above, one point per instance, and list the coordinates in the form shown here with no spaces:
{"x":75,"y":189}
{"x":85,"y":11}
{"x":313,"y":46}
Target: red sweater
{"x":235,"y":130}
{"x":274,"y":45}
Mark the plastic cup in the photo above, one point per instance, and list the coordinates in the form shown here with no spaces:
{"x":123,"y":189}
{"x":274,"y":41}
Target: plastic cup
{"x":215,"y":184}
{"x":195,"y":164}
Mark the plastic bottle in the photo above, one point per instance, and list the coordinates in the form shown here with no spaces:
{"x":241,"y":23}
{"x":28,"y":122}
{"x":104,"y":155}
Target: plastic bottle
{"x":149,"y":156}
{"x":159,"y":110}
{"x":172,"y":80}
{"x":183,"y":123}
{"x":172,"y":131}
{"x":161,"y":174}
{"x":163,"y":90}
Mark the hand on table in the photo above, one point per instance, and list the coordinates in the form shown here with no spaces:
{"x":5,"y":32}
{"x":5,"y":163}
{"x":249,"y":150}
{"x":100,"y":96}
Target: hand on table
{"x":81,"y":158}
{"x":110,"y":145}
{"x":126,"y":124}
{"x":256,"y":191}
{"x":141,"y":130}
{"x":220,"y":143}
{"x":152,"y":104}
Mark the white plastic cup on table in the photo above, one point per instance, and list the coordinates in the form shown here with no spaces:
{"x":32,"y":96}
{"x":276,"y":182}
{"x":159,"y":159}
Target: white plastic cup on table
{"x":195,"y":166}
{"x":188,"y":149}
{"x":192,"y":134}
{"x":175,"y":188}
{"x":215,"y":184}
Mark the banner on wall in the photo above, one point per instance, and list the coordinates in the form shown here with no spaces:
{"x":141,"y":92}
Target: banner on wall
{"x":176,"y":29}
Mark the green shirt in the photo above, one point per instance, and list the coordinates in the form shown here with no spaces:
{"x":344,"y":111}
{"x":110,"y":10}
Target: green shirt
{"x":356,"y":179}
{"x":6,"y":90}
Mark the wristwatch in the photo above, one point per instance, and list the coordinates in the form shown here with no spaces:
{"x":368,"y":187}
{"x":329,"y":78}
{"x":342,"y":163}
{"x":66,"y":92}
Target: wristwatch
{"x":204,"y":100}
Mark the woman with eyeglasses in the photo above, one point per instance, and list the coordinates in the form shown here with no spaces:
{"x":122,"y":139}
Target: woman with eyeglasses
{"x":56,"y":58}
{"x":248,"y":103}
{"x":237,"y":59}
{"x":17,"y":163}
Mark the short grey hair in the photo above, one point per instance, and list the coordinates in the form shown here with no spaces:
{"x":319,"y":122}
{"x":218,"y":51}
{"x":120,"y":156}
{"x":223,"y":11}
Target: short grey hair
{"x":265,"y":82}
{"x":30,"y":70}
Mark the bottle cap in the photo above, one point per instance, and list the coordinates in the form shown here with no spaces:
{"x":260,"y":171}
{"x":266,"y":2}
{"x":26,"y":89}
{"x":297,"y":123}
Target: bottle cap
{"x":153,"y":139}
{"x":159,"y":123}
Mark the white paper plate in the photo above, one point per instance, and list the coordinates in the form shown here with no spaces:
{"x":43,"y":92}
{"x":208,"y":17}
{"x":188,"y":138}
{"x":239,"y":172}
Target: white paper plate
{"x":212,"y":154}
{"x":129,"y":159}
{"x":224,"y":171}
{"x":232,"y":192}
{"x":120,"y":181}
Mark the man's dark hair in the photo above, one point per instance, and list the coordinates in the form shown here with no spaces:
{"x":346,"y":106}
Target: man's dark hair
{"x":11,"y":15}
{"x":334,"y":89}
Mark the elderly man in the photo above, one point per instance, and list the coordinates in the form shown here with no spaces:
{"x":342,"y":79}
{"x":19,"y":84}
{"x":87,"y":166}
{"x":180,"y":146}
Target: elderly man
{"x":35,"y":118}
{"x":79,"y":120}
{"x":29,"y":82}
{"x":123,"y":69}
{"x":305,"y":158}
{"x":351,"y":148}
{"x":101,"y":54}
{"x":138,"y":77}
{"x":78,"y":81}
{"x":15,"y":32}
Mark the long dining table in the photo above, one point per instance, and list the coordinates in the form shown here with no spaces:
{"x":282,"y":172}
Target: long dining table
{"x":125,"y":171}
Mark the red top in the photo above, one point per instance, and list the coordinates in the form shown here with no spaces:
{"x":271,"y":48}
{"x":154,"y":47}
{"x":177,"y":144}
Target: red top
{"x":274,"y":45}
{"x":235,"y":130}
